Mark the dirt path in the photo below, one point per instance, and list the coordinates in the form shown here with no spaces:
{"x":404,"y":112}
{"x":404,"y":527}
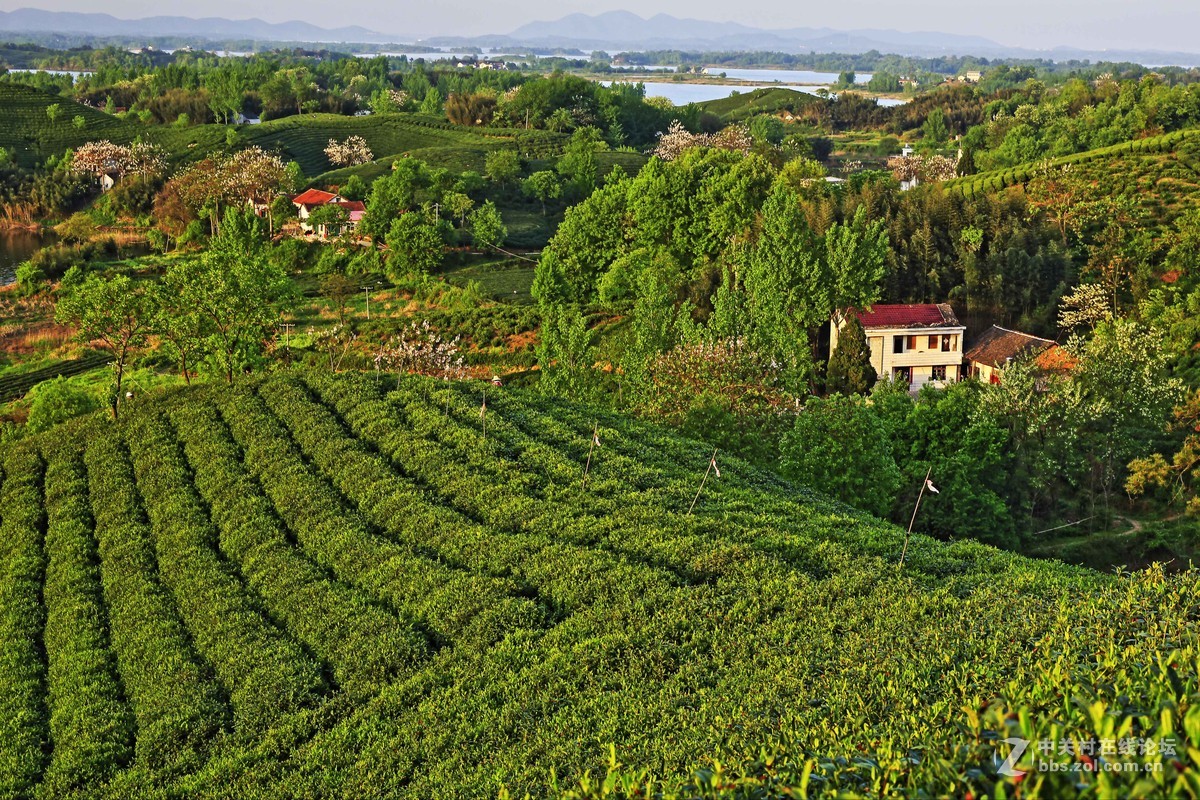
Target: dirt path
{"x":1135,"y":526}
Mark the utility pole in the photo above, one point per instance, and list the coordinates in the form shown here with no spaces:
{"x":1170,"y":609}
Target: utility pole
{"x":367,"y":296}
{"x":287,"y":334}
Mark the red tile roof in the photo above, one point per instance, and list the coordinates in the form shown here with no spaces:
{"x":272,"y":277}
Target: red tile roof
{"x":1055,"y":359}
{"x":351,"y":205}
{"x":313,"y":197}
{"x":908,"y":315}
{"x":997,"y":345}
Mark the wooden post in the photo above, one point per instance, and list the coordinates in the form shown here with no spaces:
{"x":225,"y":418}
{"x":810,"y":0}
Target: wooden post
{"x":908,"y":533}
{"x":712,"y":460}
{"x":591,"y":447}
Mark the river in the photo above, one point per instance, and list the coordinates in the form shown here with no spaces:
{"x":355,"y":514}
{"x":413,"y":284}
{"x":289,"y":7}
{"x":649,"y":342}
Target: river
{"x":15,"y":247}
{"x":681,"y":93}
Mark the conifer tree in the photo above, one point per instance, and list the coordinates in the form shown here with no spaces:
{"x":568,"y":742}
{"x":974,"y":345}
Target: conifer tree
{"x":850,"y":370}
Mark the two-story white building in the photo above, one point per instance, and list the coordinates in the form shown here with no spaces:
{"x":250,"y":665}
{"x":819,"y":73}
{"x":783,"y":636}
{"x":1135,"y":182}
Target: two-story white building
{"x":913,"y":343}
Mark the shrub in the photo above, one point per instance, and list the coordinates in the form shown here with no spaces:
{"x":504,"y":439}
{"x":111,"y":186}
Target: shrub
{"x":58,"y":401}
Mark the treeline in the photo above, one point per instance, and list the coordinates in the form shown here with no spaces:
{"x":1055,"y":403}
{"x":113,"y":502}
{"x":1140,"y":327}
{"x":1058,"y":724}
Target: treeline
{"x":874,"y":61}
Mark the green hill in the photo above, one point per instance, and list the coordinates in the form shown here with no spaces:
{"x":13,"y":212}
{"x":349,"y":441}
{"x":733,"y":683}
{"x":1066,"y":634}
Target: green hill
{"x":30,"y":135}
{"x":28,"y":131}
{"x":759,"y":101}
{"x":1157,"y":164}
{"x":320,"y":586}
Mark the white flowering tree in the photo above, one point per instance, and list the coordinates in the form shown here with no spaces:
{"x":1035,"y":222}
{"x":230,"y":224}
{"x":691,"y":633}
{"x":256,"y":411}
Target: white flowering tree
{"x":923,"y":168}
{"x":349,"y":153}
{"x":677,"y":139}
{"x":248,"y":176}
{"x":419,"y":350}
{"x":102,"y":158}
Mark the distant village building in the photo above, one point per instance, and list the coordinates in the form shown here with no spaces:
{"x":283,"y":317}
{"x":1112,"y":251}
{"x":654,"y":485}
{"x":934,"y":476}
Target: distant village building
{"x":912,"y":343}
{"x":971,"y":76}
{"x":998,"y":347}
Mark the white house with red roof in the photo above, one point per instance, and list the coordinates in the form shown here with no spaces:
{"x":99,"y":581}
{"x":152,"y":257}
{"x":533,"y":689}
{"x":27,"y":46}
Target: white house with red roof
{"x":917,"y":343}
{"x":310,"y":200}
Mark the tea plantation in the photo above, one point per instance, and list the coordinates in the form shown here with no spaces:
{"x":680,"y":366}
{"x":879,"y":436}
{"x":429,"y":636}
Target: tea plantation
{"x":315,"y":586}
{"x":29,"y":133}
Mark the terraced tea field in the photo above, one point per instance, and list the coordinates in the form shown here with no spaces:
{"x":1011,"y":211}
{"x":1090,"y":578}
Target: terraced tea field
{"x":315,"y":586}
{"x":30,"y":134}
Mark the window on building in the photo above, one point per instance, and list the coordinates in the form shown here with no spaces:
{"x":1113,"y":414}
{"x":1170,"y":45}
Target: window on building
{"x":933,"y":342}
{"x":947,"y":342}
{"x":912,"y":343}
{"x":939,"y":373}
{"x":897,"y":344}
{"x":902,"y":375}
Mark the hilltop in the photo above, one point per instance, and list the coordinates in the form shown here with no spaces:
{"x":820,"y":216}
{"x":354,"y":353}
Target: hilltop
{"x":343,"y":586}
{"x":30,"y":134}
{"x":743,"y":105}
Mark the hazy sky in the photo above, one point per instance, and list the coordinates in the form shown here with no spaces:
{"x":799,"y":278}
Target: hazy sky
{"x":1092,"y":24}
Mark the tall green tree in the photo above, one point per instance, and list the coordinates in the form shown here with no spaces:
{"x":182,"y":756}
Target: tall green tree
{"x":180,"y":327}
{"x":856,"y":257}
{"x":839,"y":447}
{"x":788,"y":289}
{"x":226,"y":92}
{"x":566,"y":354}
{"x":487,"y":227}
{"x":238,"y":291}
{"x":502,"y":166}
{"x":543,"y":186}
{"x":850,"y":369}
{"x":413,"y":246}
{"x":393,"y":194}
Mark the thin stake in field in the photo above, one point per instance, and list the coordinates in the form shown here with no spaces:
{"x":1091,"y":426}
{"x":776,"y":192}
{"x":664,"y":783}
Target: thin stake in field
{"x":927,"y":484}
{"x":483,"y":414}
{"x":595,"y":443}
{"x":712,"y":465}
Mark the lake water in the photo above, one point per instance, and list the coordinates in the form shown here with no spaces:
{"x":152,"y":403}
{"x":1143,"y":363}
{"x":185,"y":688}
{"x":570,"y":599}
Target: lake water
{"x":435,"y":56}
{"x":683,"y":93}
{"x":15,"y":247}
{"x":784,"y":75}
{"x":71,"y":72}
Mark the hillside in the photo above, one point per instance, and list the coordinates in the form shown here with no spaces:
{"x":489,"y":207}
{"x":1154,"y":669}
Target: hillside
{"x":315,"y":586}
{"x":1161,"y":169}
{"x":760,"y":101}
{"x":29,"y":133}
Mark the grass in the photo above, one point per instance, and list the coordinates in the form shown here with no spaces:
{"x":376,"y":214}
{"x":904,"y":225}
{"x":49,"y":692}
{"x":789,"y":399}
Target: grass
{"x":509,"y":279}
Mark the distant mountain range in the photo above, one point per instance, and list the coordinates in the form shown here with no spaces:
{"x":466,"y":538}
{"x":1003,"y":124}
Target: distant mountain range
{"x":612,"y":31}
{"x":622,"y":30}
{"x":32,"y":20}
